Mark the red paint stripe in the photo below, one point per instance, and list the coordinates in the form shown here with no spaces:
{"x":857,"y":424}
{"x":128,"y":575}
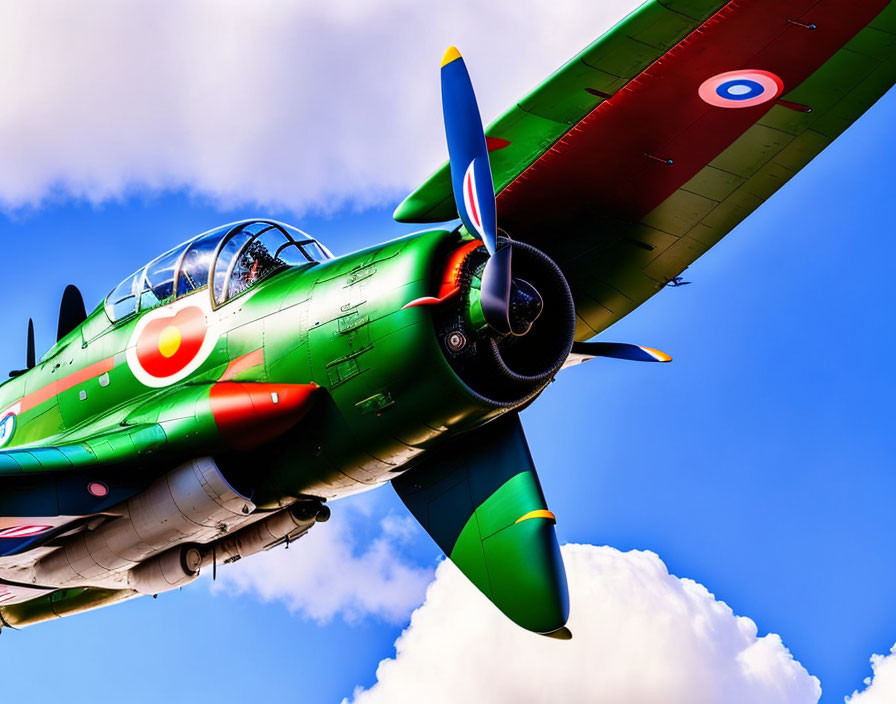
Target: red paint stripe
{"x":799,"y":107}
{"x":494,"y":144}
{"x":242,"y":363}
{"x":86,"y":374}
{"x":432,"y":300}
{"x":472,"y":195}
{"x":24,"y":531}
{"x":597,"y":171}
{"x":451,"y":279}
{"x":55,"y":388}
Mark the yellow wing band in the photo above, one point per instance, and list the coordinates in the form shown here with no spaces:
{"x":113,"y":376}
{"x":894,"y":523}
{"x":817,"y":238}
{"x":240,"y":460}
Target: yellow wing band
{"x":537,"y":514}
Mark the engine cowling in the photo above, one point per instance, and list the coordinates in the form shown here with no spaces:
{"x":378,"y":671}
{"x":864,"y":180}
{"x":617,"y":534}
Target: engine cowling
{"x":508,"y":370}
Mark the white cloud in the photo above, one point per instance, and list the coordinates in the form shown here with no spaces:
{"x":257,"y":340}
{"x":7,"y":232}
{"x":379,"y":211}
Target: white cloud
{"x":881,"y":687}
{"x":641,"y":635}
{"x":327,"y":574}
{"x":294,"y":103}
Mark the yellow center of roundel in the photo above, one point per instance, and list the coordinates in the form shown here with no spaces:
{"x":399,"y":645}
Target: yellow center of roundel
{"x":169,"y":341}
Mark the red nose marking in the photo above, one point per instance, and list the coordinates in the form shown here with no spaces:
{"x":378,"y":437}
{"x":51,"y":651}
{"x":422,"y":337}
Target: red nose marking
{"x":249,"y":415}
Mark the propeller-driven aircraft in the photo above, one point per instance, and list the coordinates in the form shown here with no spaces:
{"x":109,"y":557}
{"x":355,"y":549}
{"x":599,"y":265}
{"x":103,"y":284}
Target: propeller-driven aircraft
{"x":219,"y":399}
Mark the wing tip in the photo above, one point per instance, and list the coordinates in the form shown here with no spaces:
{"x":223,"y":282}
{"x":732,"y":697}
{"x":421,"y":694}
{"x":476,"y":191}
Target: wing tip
{"x":560,"y":634}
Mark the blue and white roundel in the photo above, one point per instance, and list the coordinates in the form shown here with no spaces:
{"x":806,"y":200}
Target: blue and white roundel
{"x":7,"y":428}
{"x":741,"y":89}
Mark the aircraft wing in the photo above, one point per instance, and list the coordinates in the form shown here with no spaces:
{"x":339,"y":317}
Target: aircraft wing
{"x":647,"y":148}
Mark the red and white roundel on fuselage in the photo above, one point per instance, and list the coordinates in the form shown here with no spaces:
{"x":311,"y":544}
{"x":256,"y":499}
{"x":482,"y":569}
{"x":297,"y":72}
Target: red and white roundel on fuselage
{"x":741,"y":89}
{"x":172,"y":342}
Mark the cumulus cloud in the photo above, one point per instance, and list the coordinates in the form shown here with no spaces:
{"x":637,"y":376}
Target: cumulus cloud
{"x":328,"y":573}
{"x":881,"y":687}
{"x":641,"y":635}
{"x":284,"y":103}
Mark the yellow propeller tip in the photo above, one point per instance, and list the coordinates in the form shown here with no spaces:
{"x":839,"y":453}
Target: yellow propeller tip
{"x":451,"y":55}
{"x":657,"y":355}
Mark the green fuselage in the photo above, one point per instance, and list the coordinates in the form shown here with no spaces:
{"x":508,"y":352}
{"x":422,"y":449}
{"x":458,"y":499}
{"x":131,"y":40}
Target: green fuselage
{"x":340,"y":324}
{"x":169,"y":432}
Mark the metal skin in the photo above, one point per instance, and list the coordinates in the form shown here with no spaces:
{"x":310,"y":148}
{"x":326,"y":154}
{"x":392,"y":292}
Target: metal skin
{"x":372,"y":387}
{"x":149,"y":445}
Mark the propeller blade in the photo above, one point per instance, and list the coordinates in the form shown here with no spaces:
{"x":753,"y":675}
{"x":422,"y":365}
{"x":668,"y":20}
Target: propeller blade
{"x":471,"y":173}
{"x":585,"y":351}
{"x":29,"y":352}
{"x":508,"y":307}
{"x":495,"y":290}
{"x":71,"y":311}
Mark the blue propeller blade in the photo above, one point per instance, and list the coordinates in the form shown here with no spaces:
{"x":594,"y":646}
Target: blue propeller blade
{"x":496,"y":290}
{"x":584,"y":351}
{"x":471,"y":173}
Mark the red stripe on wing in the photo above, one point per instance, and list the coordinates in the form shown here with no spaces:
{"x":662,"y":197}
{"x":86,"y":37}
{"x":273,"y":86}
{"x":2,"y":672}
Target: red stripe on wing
{"x":602,"y":167}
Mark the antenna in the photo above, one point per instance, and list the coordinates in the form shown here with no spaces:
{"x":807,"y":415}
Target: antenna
{"x":29,"y":352}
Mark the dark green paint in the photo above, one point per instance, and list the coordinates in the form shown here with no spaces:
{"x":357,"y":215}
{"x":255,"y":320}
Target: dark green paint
{"x":469,"y":497}
{"x":339,"y":324}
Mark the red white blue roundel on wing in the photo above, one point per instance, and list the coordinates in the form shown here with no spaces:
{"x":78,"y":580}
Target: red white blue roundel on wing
{"x":741,"y":89}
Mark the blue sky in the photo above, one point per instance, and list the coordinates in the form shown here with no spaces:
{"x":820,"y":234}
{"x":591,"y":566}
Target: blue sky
{"x":759,"y":463}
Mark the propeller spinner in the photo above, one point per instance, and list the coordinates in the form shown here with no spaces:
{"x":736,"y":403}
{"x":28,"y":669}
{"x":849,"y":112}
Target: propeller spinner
{"x":509,"y":306}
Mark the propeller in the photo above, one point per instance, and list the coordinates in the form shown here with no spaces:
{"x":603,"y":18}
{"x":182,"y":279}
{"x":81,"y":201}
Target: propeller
{"x":29,"y":352}
{"x":509,"y":306}
{"x":586,"y":351}
{"x":71,"y":311}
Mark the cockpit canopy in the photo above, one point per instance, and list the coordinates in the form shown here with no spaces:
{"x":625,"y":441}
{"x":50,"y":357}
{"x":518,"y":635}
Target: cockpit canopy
{"x":233,"y":258}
